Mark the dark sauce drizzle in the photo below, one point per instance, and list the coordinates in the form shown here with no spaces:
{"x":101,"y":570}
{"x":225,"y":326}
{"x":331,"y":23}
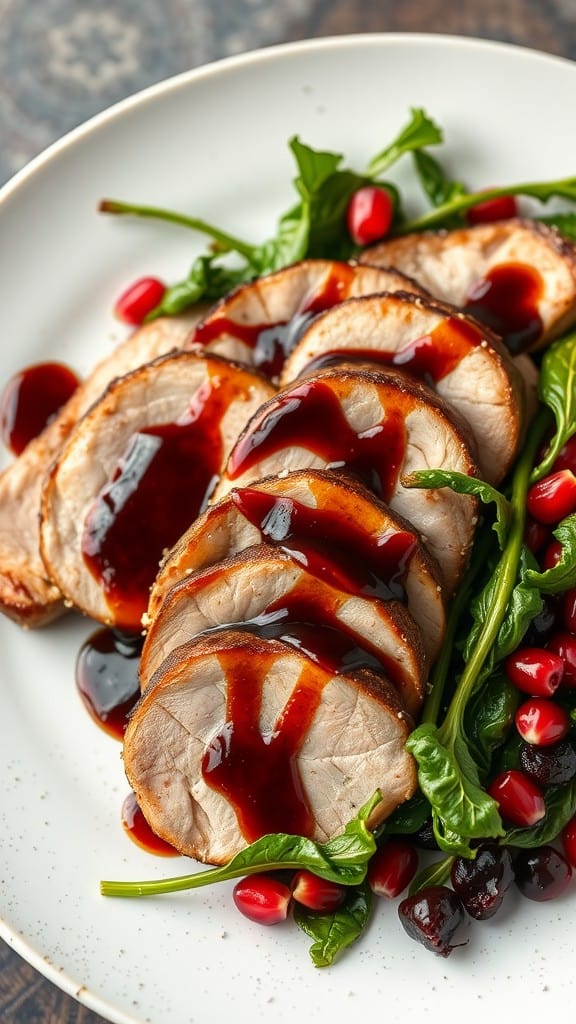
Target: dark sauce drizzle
{"x":31,"y":399}
{"x":507,"y":300}
{"x":107,"y":678}
{"x":271,"y":343}
{"x":310,"y":416}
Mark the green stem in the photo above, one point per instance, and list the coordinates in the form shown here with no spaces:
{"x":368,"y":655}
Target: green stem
{"x":462,"y":203}
{"x":507,"y":571}
{"x":158,"y":887}
{"x":228,"y":242}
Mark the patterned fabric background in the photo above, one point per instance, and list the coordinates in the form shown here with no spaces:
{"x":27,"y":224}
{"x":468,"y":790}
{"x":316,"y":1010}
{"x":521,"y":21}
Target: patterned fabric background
{"x":61,"y":61}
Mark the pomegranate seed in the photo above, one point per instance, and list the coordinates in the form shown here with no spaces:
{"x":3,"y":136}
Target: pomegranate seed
{"x":535,"y":671}
{"x":569,"y":841}
{"x":520,"y":801}
{"x":317,"y":893}
{"x":536,"y":535}
{"x":432,"y":916}
{"x":552,"y":498}
{"x":262,"y":898}
{"x":566,"y":458}
{"x":564,"y":646}
{"x":369,"y":215}
{"x":392,"y":868}
{"x":482,"y":883}
{"x":542,"y":722}
{"x":569,"y":610}
{"x":552,"y":555}
{"x":499,"y":208}
{"x":542,"y":874}
{"x":139,"y":299}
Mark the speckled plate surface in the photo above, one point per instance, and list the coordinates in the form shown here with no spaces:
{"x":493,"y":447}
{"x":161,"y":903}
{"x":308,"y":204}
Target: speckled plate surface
{"x":214,"y":142}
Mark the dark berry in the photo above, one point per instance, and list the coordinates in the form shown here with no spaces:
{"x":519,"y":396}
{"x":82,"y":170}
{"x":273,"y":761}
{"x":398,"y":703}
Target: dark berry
{"x":542,"y":626}
{"x":424,"y":837}
{"x":481,"y":883}
{"x":432,"y":917}
{"x":549,"y":766}
{"x":542,"y":874}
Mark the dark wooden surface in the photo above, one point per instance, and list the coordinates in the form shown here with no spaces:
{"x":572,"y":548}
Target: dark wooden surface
{"x":228,"y":26}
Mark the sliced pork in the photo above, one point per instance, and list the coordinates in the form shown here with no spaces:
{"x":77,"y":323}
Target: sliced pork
{"x":237,"y":737}
{"x":260,"y":322}
{"x":379,"y":427}
{"x":135,"y":472}
{"x":335,"y":527}
{"x":460,"y":358}
{"x":518,"y":276}
{"x":267,"y":590}
{"x":27,"y":593}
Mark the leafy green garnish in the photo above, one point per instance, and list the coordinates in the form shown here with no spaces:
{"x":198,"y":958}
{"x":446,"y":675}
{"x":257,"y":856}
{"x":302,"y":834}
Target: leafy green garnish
{"x":557,"y":386}
{"x":335,"y":931}
{"x":561,"y":576}
{"x":462,"y":484}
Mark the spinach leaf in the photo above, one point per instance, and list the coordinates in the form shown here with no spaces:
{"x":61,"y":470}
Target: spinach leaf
{"x":343,"y":859}
{"x":558,"y":391}
{"x":561,"y":576}
{"x":462,"y":484}
{"x":436,"y":184}
{"x":333,"y":932}
{"x":408,"y":817}
{"x":565,"y":223}
{"x":436,"y":873}
{"x":488,"y":718}
{"x":560,"y":808}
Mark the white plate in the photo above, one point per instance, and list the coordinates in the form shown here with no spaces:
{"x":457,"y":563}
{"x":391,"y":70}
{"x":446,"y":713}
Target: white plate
{"x":214,"y":142}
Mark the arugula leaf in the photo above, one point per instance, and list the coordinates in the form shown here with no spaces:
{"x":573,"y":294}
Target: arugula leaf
{"x":561,"y":576}
{"x":557,"y":387}
{"x":462,"y":484}
{"x":420,"y":131}
{"x":333,"y":932}
{"x":436,"y":184}
{"x":343,"y":859}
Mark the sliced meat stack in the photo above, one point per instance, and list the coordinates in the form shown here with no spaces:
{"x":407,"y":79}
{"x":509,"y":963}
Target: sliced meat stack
{"x":136,"y":470}
{"x":259,"y":323}
{"x":461,"y":359}
{"x":334,"y":527}
{"x":375,"y":426}
{"x":518,"y":276}
{"x":237,"y":737}
{"x":28,"y":594}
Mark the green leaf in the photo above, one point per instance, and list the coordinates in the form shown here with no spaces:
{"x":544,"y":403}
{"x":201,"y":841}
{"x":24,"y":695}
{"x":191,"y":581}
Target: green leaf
{"x":436,"y":184}
{"x":335,"y":931}
{"x":565,"y":223}
{"x":314,"y":166}
{"x":408,"y":817}
{"x":420,"y":131}
{"x":489,"y":717}
{"x":560,"y":808}
{"x":557,"y":386}
{"x":436,"y":873}
{"x":342,"y":859}
{"x":524,"y":604}
{"x":462,"y":484}
{"x":561,"y":576}
{"x":449,"y":779}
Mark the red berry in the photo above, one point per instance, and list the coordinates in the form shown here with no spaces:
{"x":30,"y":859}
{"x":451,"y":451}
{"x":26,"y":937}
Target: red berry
{"x":536,"y":535}
{"x":369,"y":215}
{"x":317,"y":893}
{"x":262,"y":898}
{"x":520,"y":801}
{"x":569,"y":841}
{"x":392,"y":868}
{"x":569,"y":610}
{"x":542,"y":874}
{"x":499,"y":208}
{"x":566,"y":458}
{"x":542,"y":722}
{"x":564,"y":646}
{"x":551,"y":556}
{"x":552,"y":498}
{"x":535,"y":671}
{"x":139,"y":299}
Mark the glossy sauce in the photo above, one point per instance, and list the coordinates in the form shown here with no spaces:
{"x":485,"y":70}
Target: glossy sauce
{"x":271,"y":343}
{"x":160,"y":485}
{"x":507,"y":300}
{"x":137,"y":828}
{"x":331,"y":545}
{"x":258,"y":773}
{"x":107,"y":678}
{"x":429,"y":358}
{"x":31,"y":399}
{"x":310,"y":416}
